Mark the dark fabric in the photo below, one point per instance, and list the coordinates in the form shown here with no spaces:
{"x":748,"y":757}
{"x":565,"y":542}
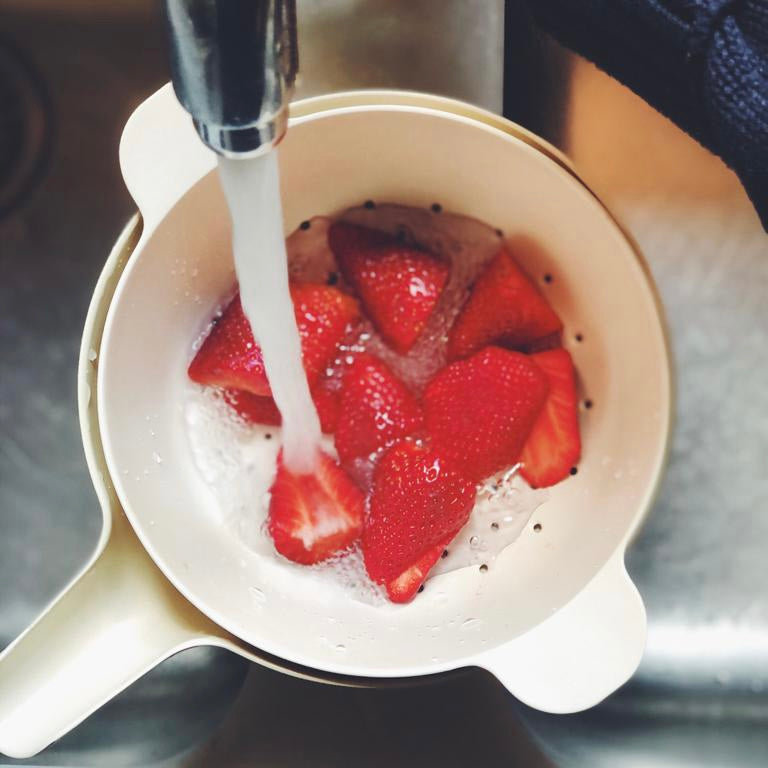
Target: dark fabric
{"x":703,"y":63}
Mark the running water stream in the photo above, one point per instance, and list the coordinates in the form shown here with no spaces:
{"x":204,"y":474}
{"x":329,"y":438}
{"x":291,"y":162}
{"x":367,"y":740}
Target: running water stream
{"x":252,"y":189}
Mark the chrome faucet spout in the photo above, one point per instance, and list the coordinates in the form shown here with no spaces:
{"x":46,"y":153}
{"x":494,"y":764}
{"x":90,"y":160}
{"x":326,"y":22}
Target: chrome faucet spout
{"x":233,"y":65}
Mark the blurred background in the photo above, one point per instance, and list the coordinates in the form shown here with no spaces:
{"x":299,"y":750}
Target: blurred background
{"x":71,"y":72}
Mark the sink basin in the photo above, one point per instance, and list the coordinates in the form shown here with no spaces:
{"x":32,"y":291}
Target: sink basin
{"x":73,"y":72}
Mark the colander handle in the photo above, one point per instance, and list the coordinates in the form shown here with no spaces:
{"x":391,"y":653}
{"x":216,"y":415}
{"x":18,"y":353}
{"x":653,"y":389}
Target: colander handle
{"x":582,"y":653}
{"x":161,"y":155}
{"x":117,"y":620}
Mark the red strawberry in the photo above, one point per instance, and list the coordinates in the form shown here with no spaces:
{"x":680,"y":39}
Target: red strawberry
{"x":255,"y":409}
{"x":554,"y":445}
{"x":327,"y":402}
{"x":261,"y":409}
{"x":230,"y":358}
{"x":398,"y":284}
{"x":404,"y":588}
{"x":504,"y":308}
{"x":553,"y":341}
{"x":416,"y":503}
{"x":479,"y":411}
{"x":311,"y":517}
{"x":376,"y":409}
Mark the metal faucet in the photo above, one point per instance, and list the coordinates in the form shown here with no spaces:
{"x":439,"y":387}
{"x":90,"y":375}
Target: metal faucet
{"x":233,"y":65}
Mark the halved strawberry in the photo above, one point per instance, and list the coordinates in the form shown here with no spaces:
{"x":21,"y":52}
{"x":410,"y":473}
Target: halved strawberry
{"x":255,"y":409}
{"x":327,"y":400}
{"x":505,"y":309}
{"x":416,"y":503}
{"x":262,"y":409}
{"x":480,"y":411}
{"x":230,"y":358}
{"x":398,"y":284}
{"x":376,"y":409}
{"x":554,"y":445}
{"x":553,"y":341}
{"x":311,"y":517}
{"x":404,"y":588}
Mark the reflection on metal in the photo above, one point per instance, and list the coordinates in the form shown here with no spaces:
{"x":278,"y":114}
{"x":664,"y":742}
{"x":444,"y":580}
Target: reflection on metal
{"x":25,"y":127}
{"x":233,"y":65}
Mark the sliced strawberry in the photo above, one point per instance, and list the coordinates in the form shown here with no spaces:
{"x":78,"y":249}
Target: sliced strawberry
{"x":479,"y":411}
{"x":324,"y":316}
{"x":416,"y":503}
{"x":398,"y":284}
{"x":553,"y":341}
{"x":376,"y":409}
{"x":311,"y":517}
{"x":505,"y":309}
{"x":327,"y":401}
{"x":230,"y":358}
{"x":554,"y":445}
{"x":404,"y":588}
{"x":255,"y":409}
{"x":261,"y":409}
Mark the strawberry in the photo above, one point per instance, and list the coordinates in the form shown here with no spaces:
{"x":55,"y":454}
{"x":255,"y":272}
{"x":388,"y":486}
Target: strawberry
{"x":417,"y":502}
{"x":327,"y":402}
{"x":255,"y":409}
{"x":398,"y":284}
{"x":262,"y":409}
{"x":311,"y":517}
{"x":553,"y":341}
{"x":404,"y":588}
{"x":505,"y":309}
{"x":376,"y":409}
{"x":479,"y":411}
{"x":230,"y":358}
{"x":554,"y":445}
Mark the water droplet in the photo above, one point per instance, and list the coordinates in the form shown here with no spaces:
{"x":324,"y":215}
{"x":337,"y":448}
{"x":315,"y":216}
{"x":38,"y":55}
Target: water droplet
{"x":157,"y":458}
{"x":92,"y":354}
{"x":340,"y":648}
{"x":471,"y":623}
{"x":257,"y":595}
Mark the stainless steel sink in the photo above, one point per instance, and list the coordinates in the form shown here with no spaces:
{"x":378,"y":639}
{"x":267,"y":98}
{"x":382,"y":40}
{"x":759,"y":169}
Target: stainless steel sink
{"x":71,"y":72}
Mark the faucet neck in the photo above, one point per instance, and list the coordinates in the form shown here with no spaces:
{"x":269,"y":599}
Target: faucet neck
{"x":233,"y":65}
